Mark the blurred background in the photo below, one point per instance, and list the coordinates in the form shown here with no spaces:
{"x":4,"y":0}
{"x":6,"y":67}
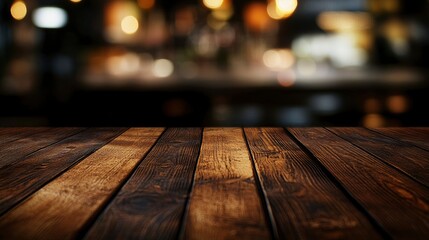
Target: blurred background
{"x":214,"y":63}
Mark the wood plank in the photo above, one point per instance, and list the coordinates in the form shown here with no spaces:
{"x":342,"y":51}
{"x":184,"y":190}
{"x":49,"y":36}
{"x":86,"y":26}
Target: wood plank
{"x":22,"y":178}
{"x":224,"y":202}
{"x":15,"y":150}
{"x":399,"y":204}
{"x":15,"y":133}
{"x":411,"y":160}
{"x":416,"y":136}
{"x":60,"y":209}
{"x":305,"y":203}
{"x":152,"y":203}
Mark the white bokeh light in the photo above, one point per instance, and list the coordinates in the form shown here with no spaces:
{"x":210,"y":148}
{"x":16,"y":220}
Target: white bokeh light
{"x":162,"y":68}
{"x":50,"y":17}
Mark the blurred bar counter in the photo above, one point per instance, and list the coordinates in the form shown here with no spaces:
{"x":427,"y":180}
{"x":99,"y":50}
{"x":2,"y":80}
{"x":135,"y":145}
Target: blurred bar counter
{"x":214,"y":63}
{"x":395,"y":97}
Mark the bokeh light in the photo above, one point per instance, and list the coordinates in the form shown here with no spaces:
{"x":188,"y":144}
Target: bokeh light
{"x":213,"y":4}
{"x":397,"y":104}
{"x":256,"y":17}
{"x":122,"y":20}
{"x":370,"y":55}
{"x":277,"y":59}
{"x":162,"y":68}
{"x":374,"y":121}
{"x":342,"y":21}
{"x":272,"y":11}
{"x":286,"y":7}
{"x":279,"y":9}
{"x":18,"y":10}
{"x":129,"y":25}
{"x":123,"y":65}
{"x":50,"y":17}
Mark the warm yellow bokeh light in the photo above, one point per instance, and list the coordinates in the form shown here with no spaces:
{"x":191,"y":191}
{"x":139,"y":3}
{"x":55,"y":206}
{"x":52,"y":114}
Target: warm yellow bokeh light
{"x":285,"y":8}
{"x":278,"y":59}
{"x":342,"y":21}
{"x":279,"y":9}
{"x":213,"y":4}
{"x":129,"y":25}
{"x":272,"y":11}
{"x":75,"y":1}
{"x":146,"y":4}
{"x":18,"y":10}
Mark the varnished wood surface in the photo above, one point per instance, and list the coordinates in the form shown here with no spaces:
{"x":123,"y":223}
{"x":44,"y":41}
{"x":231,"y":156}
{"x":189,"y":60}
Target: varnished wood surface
{"x":214,"y":183}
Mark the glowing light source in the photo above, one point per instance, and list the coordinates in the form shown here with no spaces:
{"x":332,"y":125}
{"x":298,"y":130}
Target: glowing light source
{"x":75,"y":1}
{"x":122,"y":21}
{"x":162,"y":68}
{"x":123,"y":65}
{"x":213,"y":4}
{"x":278,"y":59}
{"x":18,"y":10}
{"x":129,"y":25}
{"x":279,"y":9}
{"x":50,"y":17}
{"x":344,"y":21}
{"x":342,"y":49}
{"x":286,"y":7}
{"x":146,"y":4}
{"x":272,"y":11}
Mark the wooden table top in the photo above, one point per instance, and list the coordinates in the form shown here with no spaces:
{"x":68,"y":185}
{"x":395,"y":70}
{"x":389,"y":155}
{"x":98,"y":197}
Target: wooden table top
{"x":214,"y":183}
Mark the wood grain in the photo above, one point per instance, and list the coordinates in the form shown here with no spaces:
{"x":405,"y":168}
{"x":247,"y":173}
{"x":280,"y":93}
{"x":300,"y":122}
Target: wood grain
{"x":22,"y":178}
{"x":416,"y":136}
{"x":408,"y":158}
{"x":151,"y":204}
{"x":224,"y":202}
{"x":12,"y":151}
{"x":15,"y":133}
{"x":61,"y":208}
{"x":305,"y":203}
{"x":399,"y":204}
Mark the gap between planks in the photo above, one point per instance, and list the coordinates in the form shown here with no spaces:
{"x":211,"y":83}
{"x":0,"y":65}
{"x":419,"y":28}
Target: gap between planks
{"x":63,"y":206}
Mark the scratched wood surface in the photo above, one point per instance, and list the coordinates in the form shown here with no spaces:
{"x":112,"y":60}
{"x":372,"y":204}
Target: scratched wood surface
{"x":214,"y":183}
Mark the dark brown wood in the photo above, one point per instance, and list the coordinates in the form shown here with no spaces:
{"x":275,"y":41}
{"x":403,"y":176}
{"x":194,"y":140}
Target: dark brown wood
{"x":305,"y":203}
{"x":22,"y":178}
{"x":408,"y":158}
{"x":399,"y":204}
{"x":12,"y":151}
{"x":224,"y":202}
{"x":60,"y":209}
{"x":152,"y":203}
{"x":416,"y":136}
{"x":15,"y":133}
{"x":312,"y":183}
